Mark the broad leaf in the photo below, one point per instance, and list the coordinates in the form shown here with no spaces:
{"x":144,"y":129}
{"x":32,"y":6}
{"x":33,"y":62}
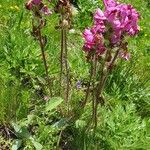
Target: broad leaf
{"x":53,"y":103}
{"x":37,"y":145}
{"x":16,"y":145}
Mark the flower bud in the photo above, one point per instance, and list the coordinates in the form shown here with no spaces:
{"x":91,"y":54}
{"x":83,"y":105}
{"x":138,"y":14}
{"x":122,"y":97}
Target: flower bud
{"x":46,"y":10}
{"x":65,"y":23}
{"x":29,"y":5}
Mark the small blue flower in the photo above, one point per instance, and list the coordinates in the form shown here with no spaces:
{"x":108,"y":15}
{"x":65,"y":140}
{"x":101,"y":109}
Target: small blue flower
{"x":78,"y":84}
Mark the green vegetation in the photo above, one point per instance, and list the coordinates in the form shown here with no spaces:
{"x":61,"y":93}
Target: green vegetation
{"x":31,"y":119}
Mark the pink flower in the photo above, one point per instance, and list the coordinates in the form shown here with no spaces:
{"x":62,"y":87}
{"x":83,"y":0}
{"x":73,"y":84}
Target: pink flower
{"x":110,"y":3}
{"x":119,"y":19}
{"x":89,"y":39}
{"x":88,"y":35}
{"x":98,"y":28}
{"x":93,"y":41}
{"x":93,"y":37}
{"x":133,"y":16}
{"x":122,"y":17}
{"x":99,"y":19}
{"x":99,"y":15}
{"x":46,"y":10}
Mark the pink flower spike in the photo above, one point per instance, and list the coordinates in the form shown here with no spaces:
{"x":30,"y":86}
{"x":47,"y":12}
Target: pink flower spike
{"x":46,"y":10}
{"x":88,"y":35}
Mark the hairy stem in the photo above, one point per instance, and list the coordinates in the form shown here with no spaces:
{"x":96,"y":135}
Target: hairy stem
{"x":88,"y":87}
{"x":66,"y":65}
{"x":93,"y":92}
{"x":103,"y":78}
{"x":61,"y":58}
{"x":45,"y":62}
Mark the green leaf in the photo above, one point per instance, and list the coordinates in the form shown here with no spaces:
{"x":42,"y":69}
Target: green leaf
{"x":16,"y":127}
{"x":21,"y":131}
{"x":37,"y":145}
{"x":61,"y":123}
{"x":16,"y":145}
{"x":53,"y":103}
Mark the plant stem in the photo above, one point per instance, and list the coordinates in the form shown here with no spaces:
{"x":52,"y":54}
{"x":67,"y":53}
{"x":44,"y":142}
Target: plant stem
{"x":64,"y":57}
{"x":61,"y":57}
{"x":114,"y":58}
{"x":88,"y":87}
{"x":103,"y":78}
{"x":66,"y":65}
{"x":59,"y":138}
{"x":93,"y":92}
{"x":99,"y":89}
{"x":44,"y":61}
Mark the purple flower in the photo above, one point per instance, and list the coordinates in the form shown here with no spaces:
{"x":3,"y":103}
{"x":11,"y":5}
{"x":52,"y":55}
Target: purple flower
{"x":119,"y":19}
{"x":88,"y":35}
{"x":123,"y":18}
{"x":89,"y":39}
{"x":93,"y":37}
{"x":99,"y":15}
{"x":99,"y":21}
{"x":110,"y":3}
{"x":78,"y":84}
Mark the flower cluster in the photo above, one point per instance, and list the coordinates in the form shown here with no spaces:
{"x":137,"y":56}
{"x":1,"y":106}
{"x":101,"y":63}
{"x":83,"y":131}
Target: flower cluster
{"x":63,"y":7}
{"x":38,"y":7}
{"x":94,"y":36}
{"x":117,"y":20}
{"x":123,"y":18}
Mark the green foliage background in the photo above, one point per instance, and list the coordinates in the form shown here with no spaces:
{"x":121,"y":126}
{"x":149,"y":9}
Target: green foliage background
{"x":124,"y":122}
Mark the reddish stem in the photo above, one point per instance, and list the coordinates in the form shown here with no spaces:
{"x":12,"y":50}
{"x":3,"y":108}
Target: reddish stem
{"x":45,"y":62}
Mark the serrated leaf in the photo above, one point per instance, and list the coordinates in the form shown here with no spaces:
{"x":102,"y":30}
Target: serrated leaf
{"x":53,"y":103}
